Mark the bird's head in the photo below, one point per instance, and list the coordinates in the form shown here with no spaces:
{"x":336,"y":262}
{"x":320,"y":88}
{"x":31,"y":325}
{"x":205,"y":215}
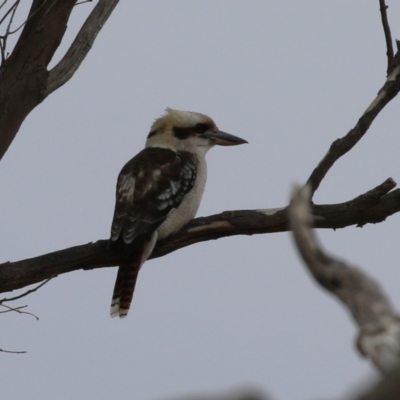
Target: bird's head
{"x":188,"y":131}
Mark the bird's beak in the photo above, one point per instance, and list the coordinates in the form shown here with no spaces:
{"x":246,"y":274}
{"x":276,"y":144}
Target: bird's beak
{"x":225,"y":139}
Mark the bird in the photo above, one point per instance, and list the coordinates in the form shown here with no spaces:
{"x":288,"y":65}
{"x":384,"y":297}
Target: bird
{"x":159,"y":191}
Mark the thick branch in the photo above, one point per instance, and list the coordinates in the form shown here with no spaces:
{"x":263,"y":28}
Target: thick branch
{"x":81,"y":46}
{"x":25,"y":80}
{"x":372,"y":207}
{"x":341,"y":146}
{"x":379,"y":335}
{"x":24,"y":74}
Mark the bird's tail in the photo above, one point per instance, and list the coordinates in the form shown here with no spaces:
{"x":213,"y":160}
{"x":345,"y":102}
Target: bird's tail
{"x":123,"y":289}
{"x":127,"y":276}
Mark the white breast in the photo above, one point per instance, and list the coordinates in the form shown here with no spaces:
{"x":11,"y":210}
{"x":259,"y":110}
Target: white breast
{"x":186,"y":211}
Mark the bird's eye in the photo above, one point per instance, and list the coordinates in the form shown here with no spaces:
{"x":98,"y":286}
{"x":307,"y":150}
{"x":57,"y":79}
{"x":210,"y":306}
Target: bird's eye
{"x":200,"y":128}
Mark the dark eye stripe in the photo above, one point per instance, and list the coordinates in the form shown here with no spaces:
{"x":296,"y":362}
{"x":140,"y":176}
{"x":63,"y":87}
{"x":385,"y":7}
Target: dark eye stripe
{"x":182,"y":133}
{"x":201,"y":128}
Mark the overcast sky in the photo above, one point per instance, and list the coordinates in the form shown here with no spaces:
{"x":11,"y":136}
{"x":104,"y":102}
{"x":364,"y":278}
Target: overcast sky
{"x":288,"y":76}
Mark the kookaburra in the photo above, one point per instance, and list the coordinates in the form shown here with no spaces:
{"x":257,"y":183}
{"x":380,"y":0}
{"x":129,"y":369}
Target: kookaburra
{"x":159,"y":191}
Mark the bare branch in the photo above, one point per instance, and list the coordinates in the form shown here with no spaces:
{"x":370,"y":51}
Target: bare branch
{"x":18,"y":310}
{"x":364,"y":209}
{"x":11,"y":11}
{"x":11,"y":309}
{"x":388,"y":36}
{"x":25,"y":293}
{"x":80,"y":47}
{"x":24,"y":73}
{"x":379,"y":325}
{"x":341,"y":146}
{"x":3,"y":38}
{"x":2,"y":4}
{"x":25,"y":80}
{"x":389,"y":90}
{"x":12,"y":351}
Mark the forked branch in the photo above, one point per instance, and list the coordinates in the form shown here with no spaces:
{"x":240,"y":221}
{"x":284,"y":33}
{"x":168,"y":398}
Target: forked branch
{"x":343,"y":145}
{"x":81,"y":46}
{"x":25,"y":79}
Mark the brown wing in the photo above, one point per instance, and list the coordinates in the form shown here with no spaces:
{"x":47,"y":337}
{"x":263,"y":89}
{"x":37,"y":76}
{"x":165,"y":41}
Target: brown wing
{"x":149,"y":187}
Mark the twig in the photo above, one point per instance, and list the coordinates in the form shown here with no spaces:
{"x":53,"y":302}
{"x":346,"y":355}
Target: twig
{"x":36,"y":8}
{"x":13,"y":351}
{"x":3,"y":39}
{"x":4,"y":2}
{"x":379,"y":325}
{"x":33,"y":11}
{"x":11,"y":11}
{"x":25,"y":293}
{"x":11,"y":309}
{"x":388,"y":36}
{"x":18,"y":310}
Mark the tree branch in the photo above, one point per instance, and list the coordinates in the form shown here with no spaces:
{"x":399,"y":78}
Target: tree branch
{"x":341,"y":146}
{"x":23,"y":294}
{"x":371,"y":207}
{"x":379,"y":325}
{"x":24,"y":73}
{"x":81,"y":46}
{"x":13,"y":351}
{"x":25,"y":80}
{"x":10,"y":14}
{"x":18,"y":310}
{"x":388,"y":36}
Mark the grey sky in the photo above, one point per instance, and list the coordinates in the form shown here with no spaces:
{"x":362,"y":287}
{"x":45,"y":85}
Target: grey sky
{"x":290,"y":77}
